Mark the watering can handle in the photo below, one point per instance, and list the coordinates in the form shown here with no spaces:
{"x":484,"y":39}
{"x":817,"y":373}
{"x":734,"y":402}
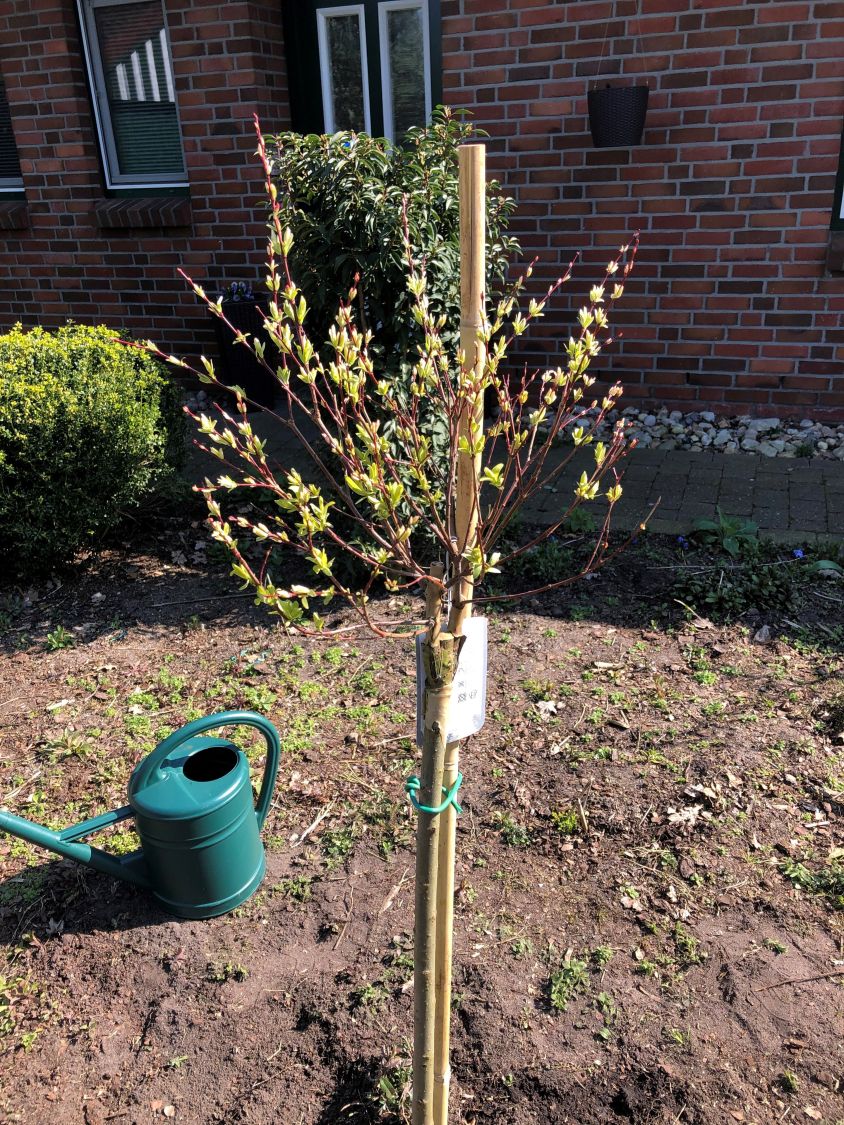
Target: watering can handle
{"x":144,"y":771}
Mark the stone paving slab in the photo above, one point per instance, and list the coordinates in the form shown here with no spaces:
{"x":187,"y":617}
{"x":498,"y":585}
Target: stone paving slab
{"x":790,"y":499}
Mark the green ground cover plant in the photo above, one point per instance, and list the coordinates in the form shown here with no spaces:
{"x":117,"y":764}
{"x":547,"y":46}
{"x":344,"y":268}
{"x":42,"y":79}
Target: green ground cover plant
{"x":728,"y":570}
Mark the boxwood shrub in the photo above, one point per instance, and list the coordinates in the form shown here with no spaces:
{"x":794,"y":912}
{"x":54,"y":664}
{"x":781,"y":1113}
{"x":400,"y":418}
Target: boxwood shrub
{"x":88,"y":427}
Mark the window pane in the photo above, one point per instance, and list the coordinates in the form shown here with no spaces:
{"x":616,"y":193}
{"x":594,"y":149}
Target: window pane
{"x":139,"y":88}
{"x":345,"y":72}
{"x":10,"y":169}
{"x":406,"y":46}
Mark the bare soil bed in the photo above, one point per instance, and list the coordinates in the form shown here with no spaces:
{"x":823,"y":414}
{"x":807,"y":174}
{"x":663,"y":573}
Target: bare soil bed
{"x":648,"y":921}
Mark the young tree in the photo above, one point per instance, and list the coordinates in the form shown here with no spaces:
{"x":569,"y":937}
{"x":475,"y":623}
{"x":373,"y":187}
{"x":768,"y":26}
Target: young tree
{"x":366,"y":509}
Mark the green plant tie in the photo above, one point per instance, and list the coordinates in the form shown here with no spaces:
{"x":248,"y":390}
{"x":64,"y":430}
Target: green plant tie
{"x":413,"y":785}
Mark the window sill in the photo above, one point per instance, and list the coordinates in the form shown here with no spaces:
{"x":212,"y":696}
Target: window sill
{"x":835,"y":252}
{"x":14,"y":215}
{"x":143,"y":213}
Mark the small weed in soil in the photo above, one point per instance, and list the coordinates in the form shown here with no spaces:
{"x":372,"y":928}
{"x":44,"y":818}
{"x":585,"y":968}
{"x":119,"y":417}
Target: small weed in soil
{"x":566,"y":822}
{"x":571,"y":978}
{"x":297,"y":887}
{"x":514,"y":835}
{"x":58,"y":639}
{"x":827,"y":880}
{"x":788,"y":1082}
{"x":219,"y":973}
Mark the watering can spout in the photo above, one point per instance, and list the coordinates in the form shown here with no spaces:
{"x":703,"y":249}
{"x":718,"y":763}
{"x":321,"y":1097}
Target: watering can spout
{"x":130,"y":868}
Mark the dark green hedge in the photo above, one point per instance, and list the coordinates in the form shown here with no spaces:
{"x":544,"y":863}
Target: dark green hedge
{"x":88,"y":427}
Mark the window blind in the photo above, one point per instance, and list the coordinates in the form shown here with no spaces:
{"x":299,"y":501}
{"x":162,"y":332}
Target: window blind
{"x":132,"y":74}
{"x":10,"y":168}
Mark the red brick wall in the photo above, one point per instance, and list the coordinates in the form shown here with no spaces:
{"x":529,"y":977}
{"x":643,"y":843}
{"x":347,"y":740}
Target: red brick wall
{"x":730,"y":305}
{"x":71,"y":260}
{"x":732,"y":189}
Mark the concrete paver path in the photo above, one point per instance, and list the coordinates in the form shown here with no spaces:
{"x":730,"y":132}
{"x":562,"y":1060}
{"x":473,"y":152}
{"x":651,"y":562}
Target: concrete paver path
{"x":789,"y":498}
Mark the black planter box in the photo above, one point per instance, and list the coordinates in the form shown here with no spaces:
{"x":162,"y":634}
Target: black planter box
{"x":239,"y":366}
{"x":617,"y":115}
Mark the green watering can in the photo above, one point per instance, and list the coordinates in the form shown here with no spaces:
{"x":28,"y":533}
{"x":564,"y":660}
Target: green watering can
{"x":201,"y":852}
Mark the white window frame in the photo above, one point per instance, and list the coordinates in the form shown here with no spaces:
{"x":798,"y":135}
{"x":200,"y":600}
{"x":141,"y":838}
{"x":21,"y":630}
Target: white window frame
{"x":383,"y":42}
{"x":838,"y":195}
{"x":324,"y":14}
{"x":11,"y":184}
{"x":102,"y":117}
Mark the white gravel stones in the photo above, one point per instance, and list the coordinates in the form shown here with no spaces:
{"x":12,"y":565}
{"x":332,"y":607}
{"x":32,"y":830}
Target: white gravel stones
{"x":763,"y":425}
{"x":703,"y":429}
{"x":766,"y":437}
{"x":197,"y":401}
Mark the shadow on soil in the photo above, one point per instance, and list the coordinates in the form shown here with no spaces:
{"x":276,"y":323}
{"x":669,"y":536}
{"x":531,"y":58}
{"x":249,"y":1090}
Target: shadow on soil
{"x":155,"y":586}
{"x":86,"y":901}
{"x":355,"y":1080}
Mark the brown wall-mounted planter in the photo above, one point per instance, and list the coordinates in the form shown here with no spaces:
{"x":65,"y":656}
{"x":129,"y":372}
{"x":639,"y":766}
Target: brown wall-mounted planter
{"x":617,"y":115}
{"x":240,"y":367}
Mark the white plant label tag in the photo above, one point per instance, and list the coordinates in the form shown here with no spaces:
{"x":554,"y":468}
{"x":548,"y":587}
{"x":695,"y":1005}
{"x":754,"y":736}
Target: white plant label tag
{"x":468,"y":696}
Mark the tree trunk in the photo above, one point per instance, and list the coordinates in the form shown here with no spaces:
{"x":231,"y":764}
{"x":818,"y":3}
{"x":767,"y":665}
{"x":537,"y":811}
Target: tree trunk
{"x":439,"y":660}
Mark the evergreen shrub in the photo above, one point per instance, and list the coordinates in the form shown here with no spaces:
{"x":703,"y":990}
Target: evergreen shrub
{"x":349,"y":199}
{"x":88,"y":427}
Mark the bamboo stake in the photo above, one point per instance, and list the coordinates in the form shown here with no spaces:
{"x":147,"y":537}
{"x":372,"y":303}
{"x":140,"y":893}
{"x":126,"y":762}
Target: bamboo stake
{"x":438,"y":654}
{"x":472,"y":187}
